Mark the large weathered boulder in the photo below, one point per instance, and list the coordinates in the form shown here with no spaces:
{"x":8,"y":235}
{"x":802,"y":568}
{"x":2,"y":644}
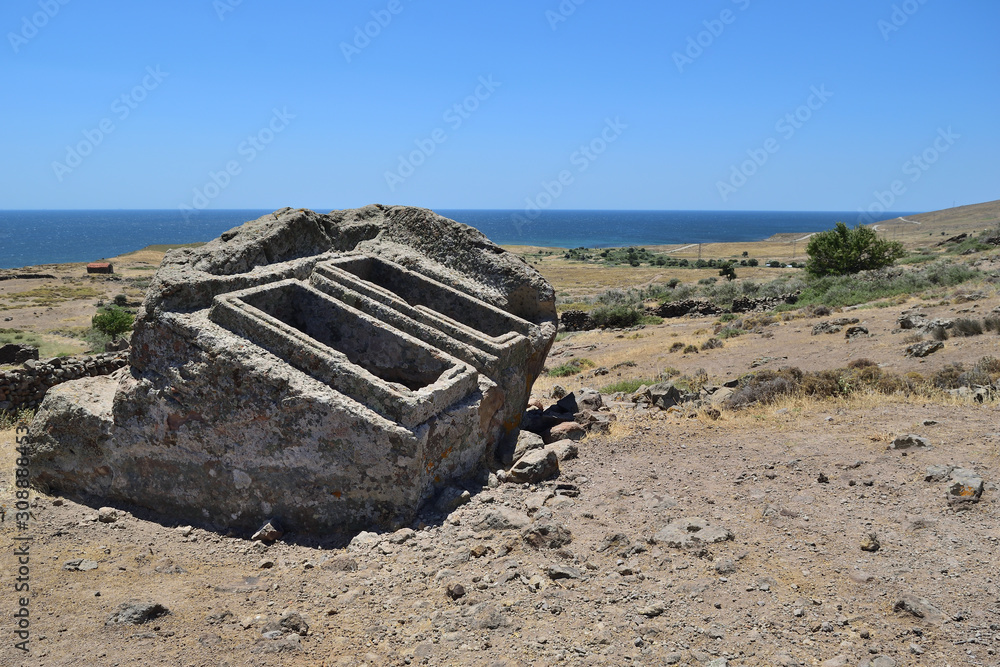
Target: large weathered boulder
{"x":330,"y":371}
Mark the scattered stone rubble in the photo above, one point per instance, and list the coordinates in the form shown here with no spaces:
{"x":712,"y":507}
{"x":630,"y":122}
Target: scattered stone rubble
{"x":330,"y":372}
{"x":833,"y":326}
{"x":549,"y":436}
{"x":915,"y":321}
{"x":668,"y":396}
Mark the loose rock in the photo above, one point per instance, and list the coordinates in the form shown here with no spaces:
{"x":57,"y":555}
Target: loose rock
{"x":136,"y":612}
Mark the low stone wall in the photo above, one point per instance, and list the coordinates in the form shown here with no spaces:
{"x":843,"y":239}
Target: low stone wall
{"x":576,"y":320}
{"x":26,"y":387}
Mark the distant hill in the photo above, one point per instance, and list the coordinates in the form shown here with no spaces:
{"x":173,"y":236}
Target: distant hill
{"x":980,"y":216}
{"x":918,"y":230}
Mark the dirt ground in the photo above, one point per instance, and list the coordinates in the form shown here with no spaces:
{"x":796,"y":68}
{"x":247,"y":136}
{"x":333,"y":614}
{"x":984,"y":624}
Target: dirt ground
{"x":800,"y":485}
{"x":792,"y":587}
{"x":762,"y":598}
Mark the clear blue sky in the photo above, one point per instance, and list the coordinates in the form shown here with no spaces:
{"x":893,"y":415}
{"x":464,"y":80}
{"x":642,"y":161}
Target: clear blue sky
{"x":226,"y":66}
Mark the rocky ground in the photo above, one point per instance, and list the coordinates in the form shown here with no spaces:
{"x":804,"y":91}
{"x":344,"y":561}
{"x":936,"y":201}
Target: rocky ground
{"x":578,"y":569}
{"x":788,"y":534}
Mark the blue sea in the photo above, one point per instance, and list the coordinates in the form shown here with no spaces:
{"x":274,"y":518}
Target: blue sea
{"x":50,"y":237}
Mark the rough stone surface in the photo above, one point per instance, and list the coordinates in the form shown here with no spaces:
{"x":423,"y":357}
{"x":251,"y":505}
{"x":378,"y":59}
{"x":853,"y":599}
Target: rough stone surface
{"x":527,"y":441}
{"x":924,"y":349}
{"x":135,"y":612}
{"x":269,"y":532}
{"x":547,"y":535}
{"x":333,"y":371}
{"x":535,"y":466}
{"x":565,"y":431}
{"x":939,"y":473}
{"x":965,"y":487}
{"x":919,"y":607}
{"x":500,"y":519}
{"x":664,"y":395}
{"x":684,"y":533}
{"x":564,"y":449}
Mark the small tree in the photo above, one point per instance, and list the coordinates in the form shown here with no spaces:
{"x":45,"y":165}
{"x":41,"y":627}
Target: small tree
{"x":727,"y":271}
{"x":113,"y":321}
{"x":841,"y":250}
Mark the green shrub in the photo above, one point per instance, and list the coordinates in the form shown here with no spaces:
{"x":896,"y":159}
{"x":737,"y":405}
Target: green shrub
{"x":868,"y":286}
{"x":691,"y":349}
{"x":113,"y":321}
{"x":841,"y":251}
{"x":730,"y":332}
{"x":677,"y":346}
{"x":627,"y":386}
{"x":572,"y":367}
{"x":617,"y":317}
{"x":121,"y":300}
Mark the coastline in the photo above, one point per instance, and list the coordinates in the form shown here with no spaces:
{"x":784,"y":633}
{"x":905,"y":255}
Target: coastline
{"x":33,"y":238}
{"x":913,"y":230}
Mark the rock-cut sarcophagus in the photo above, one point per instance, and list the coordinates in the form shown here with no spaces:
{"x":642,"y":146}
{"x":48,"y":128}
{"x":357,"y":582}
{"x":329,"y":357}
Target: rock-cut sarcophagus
{"x":333,"y":371}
